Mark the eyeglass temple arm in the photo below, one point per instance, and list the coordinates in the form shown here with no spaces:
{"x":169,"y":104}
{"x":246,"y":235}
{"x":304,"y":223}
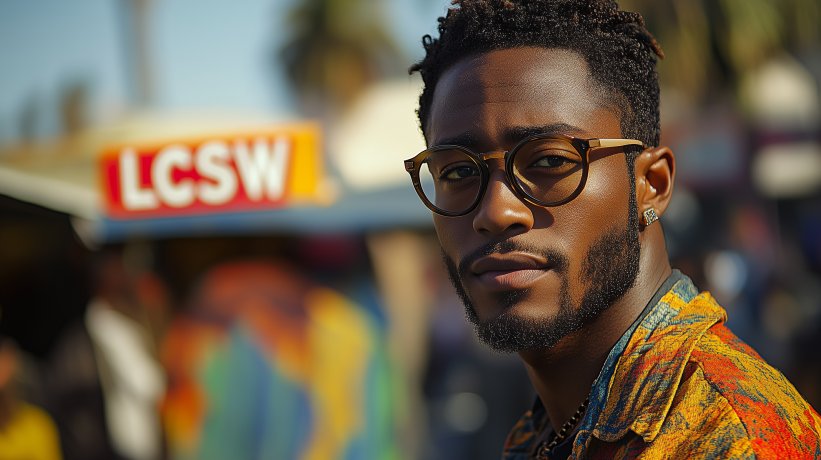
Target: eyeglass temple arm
{"x":614,"y":142}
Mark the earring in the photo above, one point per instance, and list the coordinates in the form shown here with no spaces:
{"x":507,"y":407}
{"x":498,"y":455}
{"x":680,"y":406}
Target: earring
{"x":650,"y":216}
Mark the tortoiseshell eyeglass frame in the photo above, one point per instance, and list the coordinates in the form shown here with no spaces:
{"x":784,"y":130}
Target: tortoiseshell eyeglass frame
{"x":582,"y":146}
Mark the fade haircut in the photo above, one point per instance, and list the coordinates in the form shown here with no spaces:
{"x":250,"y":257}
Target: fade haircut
{"x":620,"y":53}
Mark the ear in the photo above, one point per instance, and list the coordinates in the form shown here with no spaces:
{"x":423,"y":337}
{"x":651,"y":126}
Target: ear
{"x":655,"y":174}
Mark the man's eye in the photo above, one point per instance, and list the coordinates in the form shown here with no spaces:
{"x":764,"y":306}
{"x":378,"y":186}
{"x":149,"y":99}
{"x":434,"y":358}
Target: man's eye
{"x":459,"y":172}
{"x":552,"y":161}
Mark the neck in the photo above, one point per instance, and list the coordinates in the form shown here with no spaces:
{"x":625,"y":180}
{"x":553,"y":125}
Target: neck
{"x":564,"y":374}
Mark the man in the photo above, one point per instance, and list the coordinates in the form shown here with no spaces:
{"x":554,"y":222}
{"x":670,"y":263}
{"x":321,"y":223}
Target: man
{"x":103,"y":381}
{"x":545,"y":175}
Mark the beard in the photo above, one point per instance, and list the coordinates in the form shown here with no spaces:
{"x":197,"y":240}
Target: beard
{"x":609,"y":269}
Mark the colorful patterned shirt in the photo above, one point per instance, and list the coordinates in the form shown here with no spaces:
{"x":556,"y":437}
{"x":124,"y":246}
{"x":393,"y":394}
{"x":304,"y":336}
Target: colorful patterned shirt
{"x":679,"y":384}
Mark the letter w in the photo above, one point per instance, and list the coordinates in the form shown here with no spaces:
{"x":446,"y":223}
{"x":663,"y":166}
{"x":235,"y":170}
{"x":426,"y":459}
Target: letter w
{"x":263,"y":167}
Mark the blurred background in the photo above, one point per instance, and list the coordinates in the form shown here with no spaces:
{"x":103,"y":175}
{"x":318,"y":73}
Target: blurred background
{"x":329,"y":330}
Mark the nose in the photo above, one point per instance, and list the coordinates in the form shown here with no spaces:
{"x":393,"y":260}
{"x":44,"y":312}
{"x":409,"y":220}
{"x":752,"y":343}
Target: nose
{"x":501,"y":211}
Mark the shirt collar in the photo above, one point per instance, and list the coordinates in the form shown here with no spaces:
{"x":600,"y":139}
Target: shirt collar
{"x":639,"y":380}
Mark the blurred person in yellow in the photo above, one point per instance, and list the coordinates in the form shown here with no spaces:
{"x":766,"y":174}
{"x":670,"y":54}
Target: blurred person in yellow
{"x":546,"y":181}
{"x":26,"y":431}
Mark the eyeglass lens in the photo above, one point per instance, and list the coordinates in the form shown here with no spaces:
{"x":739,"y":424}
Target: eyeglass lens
{"x":450,"y":179}
{"x":548,"y":170}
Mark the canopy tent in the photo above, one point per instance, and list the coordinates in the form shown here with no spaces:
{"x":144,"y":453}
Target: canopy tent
{"x":65,"y":175}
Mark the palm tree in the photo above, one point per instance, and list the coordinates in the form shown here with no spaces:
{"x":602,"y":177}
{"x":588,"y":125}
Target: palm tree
{"x":721,"y":40}
{"x":336,"y":48}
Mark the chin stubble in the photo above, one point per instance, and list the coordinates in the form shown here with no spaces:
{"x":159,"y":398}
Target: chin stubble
{"x":609,"y":269}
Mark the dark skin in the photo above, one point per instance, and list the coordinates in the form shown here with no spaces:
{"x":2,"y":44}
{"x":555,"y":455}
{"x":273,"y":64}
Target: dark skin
{"x":483,"y":102}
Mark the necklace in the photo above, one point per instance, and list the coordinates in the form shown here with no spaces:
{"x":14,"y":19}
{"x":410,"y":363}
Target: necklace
{"x":567,"y":428}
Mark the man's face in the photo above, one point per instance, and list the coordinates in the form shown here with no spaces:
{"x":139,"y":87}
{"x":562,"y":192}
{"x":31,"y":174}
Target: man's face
{"x":530,"y":275}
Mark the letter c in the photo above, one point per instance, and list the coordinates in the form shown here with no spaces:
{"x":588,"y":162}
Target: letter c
{"x":173,"y":157}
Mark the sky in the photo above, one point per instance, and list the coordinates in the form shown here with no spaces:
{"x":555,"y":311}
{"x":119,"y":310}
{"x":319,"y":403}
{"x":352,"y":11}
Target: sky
{"x":204,"y":54}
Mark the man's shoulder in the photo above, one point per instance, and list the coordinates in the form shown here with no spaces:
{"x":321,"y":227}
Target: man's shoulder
{"x":685,"y":386}
{"x":749,"y":395}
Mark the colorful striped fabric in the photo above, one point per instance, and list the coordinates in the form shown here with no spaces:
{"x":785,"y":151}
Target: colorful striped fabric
{"x":264,"y":364}
{"x":681,"y":385}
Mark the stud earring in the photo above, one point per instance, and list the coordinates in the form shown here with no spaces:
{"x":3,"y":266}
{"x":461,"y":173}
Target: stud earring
{"x":650,"y":216}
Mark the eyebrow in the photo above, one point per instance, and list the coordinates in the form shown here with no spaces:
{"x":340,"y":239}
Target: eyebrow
{"x":513,"y":135}
{"x":517,"y":133}
{"x":466,"y":139}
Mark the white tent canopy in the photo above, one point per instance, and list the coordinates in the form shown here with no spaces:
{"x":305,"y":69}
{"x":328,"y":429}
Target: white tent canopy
{"x":64,"y":175}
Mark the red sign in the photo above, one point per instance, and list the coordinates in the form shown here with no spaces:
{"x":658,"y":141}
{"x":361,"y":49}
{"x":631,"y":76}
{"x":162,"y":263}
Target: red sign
{"x":241,"y":172}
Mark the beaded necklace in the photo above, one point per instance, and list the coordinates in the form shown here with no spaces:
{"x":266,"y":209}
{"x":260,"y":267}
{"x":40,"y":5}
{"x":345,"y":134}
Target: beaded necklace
{"x":567,"y":428}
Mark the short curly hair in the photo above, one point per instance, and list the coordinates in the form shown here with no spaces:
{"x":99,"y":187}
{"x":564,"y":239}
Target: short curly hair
{"x":619,"y":52}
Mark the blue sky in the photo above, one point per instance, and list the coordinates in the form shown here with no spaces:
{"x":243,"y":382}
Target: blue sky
{"x":205,"y":54}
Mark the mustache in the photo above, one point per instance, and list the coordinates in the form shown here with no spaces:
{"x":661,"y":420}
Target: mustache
{"x":559,"y":261}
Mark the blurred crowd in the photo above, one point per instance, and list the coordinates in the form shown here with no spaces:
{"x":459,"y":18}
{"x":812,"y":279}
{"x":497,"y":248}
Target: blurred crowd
{"x":246,"y":357}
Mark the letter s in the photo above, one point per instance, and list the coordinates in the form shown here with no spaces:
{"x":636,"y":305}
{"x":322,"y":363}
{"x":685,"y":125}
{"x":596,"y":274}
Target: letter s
{"x":210,"y":163}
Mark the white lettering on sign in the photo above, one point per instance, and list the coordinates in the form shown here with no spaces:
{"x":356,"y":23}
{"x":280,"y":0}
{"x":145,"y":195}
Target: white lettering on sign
{"x":262,"y":167}
{"x":134,"y":197}
{"x":176,"y":195}
{"x":212,"y":158}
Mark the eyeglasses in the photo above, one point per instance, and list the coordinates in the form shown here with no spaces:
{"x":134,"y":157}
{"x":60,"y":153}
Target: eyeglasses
{"x":544,"y":169}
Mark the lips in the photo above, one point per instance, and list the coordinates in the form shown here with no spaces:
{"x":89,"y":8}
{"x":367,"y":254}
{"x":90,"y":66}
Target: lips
{"x":509,"y":271}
